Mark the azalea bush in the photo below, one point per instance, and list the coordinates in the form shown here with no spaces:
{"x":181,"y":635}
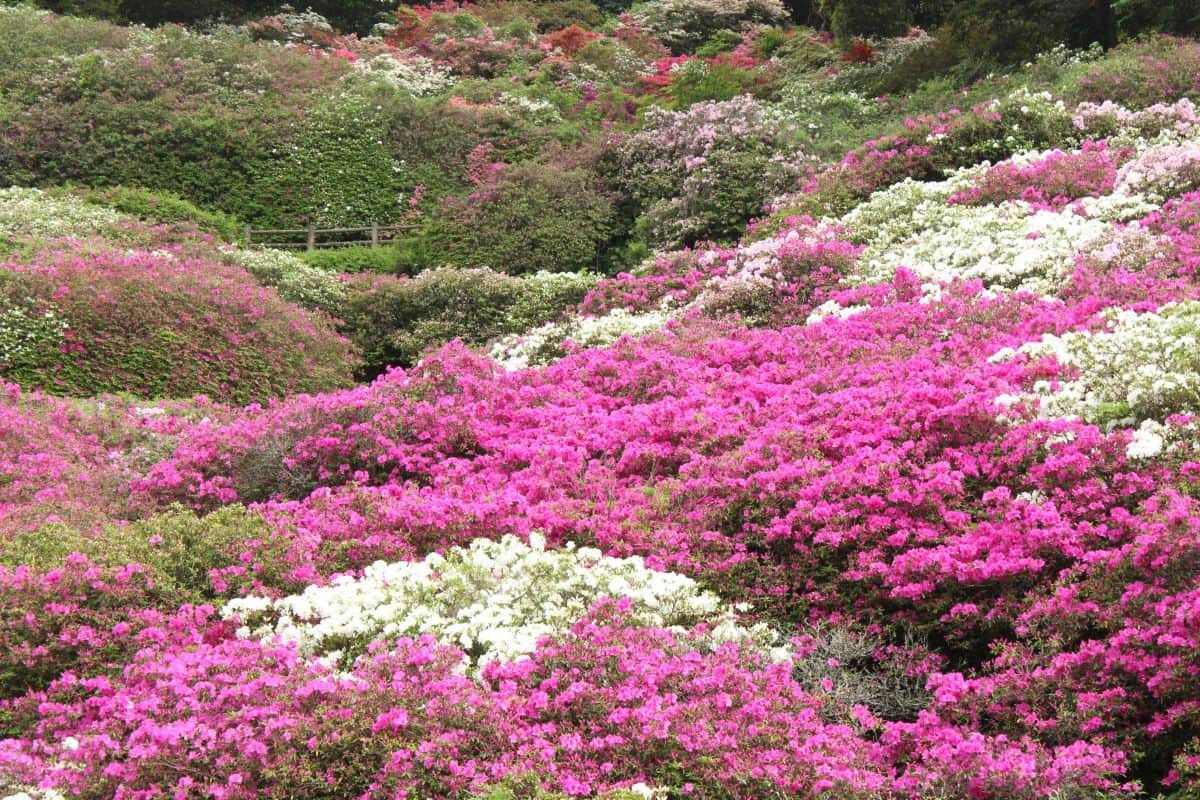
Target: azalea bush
{"x":166,"y":324}
{"x":495,"y":600}
{"x":702,"y":173}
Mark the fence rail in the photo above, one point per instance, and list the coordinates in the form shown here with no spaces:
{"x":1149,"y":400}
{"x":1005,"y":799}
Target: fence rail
{"x":373,"y":234}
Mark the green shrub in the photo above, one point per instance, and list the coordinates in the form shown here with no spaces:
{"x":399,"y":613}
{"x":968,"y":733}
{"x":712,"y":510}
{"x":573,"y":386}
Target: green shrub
{"x":191,"y":113}
{"x":1020,"y":121}
{"x":853,"y":18}
{"x":527,"y":218}
{"x":554,"y":15}
{"x":683,"y":25}
{"x":385,"y":258}
{"x":331,"y":173}
{"x":158,"y":207}
{"x":182,"y":549}
{"x":697,"y":81}
{"x":719,"y":42}
{"x":394,"y":320}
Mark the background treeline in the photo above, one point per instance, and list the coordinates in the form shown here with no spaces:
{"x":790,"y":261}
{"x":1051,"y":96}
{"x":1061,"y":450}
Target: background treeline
{"x":1004,"y":29}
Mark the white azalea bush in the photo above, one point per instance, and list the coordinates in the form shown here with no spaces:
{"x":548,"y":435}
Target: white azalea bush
{"x":894,"y":215}
{"x":1145,"y":366}
{"x":24,"y":331}
{"x":297,"y":282}
{"x":495,"y":599}
{"x":33,"y":213}
{"x":550,"y":342}
{"x":415,"y":75}
{"x":1005,"y":246}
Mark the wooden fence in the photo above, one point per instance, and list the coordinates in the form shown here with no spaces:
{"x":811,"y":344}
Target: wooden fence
{"x":311,"y":238}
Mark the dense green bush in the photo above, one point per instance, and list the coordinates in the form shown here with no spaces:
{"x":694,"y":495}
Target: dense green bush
{"x":168,"y":110}
{"x":394,"y":320}
{"x":525,"y":218}
{"x":331,"y":173}
{"x":852,"y":18}
{"x":385,"y":258}
{"x":160,"y":207}
{"x":193,"y":558}
{"x":685,"y":24}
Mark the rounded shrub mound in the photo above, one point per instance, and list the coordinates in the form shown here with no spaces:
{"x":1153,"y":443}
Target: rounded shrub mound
{"x":165,"y":324}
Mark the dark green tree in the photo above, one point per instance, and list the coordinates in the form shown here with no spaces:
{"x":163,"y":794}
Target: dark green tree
{"x":1010,"y":31}
{"x":1138,"y":16}
{"x":851,"y":19}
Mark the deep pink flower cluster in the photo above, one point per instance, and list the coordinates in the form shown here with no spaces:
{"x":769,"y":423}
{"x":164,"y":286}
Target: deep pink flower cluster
{"x":606,"y":706}
{"x":1050,"y":182}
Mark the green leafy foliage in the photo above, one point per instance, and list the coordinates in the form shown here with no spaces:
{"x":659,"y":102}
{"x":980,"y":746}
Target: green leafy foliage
{"x":851,"y":18}
{"x":161,"y":207}
{"x":526,"y":218}
{"x":182,"y":550}
{"x":394,"y":320}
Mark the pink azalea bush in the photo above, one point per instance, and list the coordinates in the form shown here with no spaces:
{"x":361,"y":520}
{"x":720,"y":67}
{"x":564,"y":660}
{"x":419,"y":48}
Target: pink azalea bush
{"x":1051,"y":181}
{"x":165,"y":323}
{"x":606,"y":706}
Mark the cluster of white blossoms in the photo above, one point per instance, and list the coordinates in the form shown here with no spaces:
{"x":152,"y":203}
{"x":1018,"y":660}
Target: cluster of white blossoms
{"x":1145,"y":366}
{"x":893,"y":216}
{"x":33,"y":213}
{"x":23,"y":331}
{"x":297,"y":281}
{"x":414,"y":75}
{"x":1006,"y":245}
{"x":546,"y":344}
{"x":494,"y":599}
{"x":531,"y":109}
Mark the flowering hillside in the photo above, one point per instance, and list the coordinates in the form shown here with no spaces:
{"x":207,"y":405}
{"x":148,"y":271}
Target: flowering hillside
{"x":885,"y":486}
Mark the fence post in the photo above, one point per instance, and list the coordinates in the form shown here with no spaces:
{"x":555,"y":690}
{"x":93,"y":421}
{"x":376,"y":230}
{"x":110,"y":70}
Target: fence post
{"x":374,"y":234}
{"x":311,"y":242}
{"x":247,"y":236}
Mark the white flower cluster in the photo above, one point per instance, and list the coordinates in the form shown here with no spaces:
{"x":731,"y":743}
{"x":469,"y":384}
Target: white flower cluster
{"x":531,"y":109}
{"x":33,"y":213}
{"x":21,"y":332}
{"x":819,"y":105}
{"x":894,"y":215}
{"x":296,"y":281}
{"x":546,"y":344}
{"x":415,"y":75}
{"x":495,"y":599}
{"x":833,"y":309}
{"x":1146,"y":366}
{"x":1005,"y":246}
